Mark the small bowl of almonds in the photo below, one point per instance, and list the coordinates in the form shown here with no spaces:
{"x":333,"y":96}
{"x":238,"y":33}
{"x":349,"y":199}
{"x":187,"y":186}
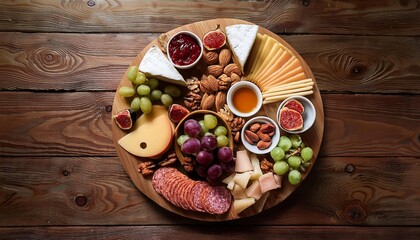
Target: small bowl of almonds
{"x":260,"y":135}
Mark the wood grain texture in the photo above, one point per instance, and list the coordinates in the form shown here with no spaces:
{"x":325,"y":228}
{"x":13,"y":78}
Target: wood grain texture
{"x":96,"y":62}
{"x":79,"y":124}
{"x":57,"y":191}
{"x":362,"y":17}
{"x":214,"y":232}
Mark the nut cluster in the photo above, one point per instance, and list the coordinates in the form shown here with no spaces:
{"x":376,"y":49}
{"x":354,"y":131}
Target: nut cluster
{"x":147,"y":168}
{"x":220,"y":74}
{"x":260,"y":134}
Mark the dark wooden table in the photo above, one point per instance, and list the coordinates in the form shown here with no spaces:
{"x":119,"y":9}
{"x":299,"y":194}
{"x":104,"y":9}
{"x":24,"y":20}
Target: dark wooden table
{"x":60,"y":64}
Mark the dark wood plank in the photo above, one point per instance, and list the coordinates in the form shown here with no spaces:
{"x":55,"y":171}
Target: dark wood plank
{"x":327,"y":17}
{"x":214,"y":232}
{"x":79,"y":124}
{"x":76,"y":62}
{"x":96,"y":191}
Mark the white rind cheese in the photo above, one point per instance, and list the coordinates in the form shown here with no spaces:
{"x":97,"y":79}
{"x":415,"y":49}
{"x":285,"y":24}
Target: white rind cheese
{"x":155,"y":64}
{"x":241,"y":38}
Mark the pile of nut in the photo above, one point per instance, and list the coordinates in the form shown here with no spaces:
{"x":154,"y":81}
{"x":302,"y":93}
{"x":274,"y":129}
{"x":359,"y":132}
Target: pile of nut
{"x":260,"y":134}
{"x":209,"y":93}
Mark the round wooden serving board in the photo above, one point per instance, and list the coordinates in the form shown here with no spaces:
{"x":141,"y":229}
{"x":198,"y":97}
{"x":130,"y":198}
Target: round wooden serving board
{"x":313,"y":137}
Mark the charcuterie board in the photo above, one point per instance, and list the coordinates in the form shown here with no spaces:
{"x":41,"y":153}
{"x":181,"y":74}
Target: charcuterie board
{"x":312,"y":137}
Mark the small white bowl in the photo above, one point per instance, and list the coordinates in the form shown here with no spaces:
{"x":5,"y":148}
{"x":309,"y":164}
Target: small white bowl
{"x":199,"y":42}
{"x":274,"y":139}
{"x":232,"y":91}
{"x":309,"y":114}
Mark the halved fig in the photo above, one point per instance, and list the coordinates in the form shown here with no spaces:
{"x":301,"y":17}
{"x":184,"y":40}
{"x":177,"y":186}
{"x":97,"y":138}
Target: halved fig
{"x":295,"y":105}
{"x":177,"y":112}
{"x":125,"y":118}
{"x":291,"y":120}
{"x":214,"y":39}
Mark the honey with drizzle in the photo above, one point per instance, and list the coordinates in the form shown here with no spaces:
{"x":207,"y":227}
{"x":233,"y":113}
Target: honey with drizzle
{"x":244,"y":99}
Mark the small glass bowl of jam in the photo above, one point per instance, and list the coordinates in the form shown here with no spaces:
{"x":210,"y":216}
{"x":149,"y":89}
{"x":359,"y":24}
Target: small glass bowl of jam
{"x":244,"y":99}
{"x":184,"y":49}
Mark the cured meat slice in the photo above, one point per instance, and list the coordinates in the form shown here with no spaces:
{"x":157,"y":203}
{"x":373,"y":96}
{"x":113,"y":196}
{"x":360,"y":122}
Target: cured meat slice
{"x":189,"y":194}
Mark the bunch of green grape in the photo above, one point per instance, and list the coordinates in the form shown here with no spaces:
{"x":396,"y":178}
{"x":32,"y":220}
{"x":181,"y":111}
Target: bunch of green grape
{"x":144,"y":91}
{"x":291,"y":157}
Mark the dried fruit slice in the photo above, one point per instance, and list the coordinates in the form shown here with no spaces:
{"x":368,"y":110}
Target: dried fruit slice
{"x":125,"y":119}
{"x":290,"y":119}
{"x":295,"y":105}
{"x":177,"y":112}
{"x":214,"y":39}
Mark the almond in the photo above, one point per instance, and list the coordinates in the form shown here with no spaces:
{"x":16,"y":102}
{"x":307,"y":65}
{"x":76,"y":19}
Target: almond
{"x":248,"y":140}
{"x":211,"y":58}
{"x":234,"y":78}
{"x":255,"y":127}
{"x":220,"y":100}
{"x":215,"y":70}
{"x":224,"y":57}
{"x":232,"y":68}
{"x":205,"y":86}
{"x":263,"y":145}
{"x":213,"y":84}
{"x":208,"y":102}
{"x":267,"y":128}
{"x":263,"y":136}
{"x":252,"y":136}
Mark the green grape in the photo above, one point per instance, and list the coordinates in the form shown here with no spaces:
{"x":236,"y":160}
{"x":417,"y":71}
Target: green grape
{"x":222,"y":141}
{"x":296,"y":141}
{"x":280,"y":167}
{"x":204,"y":129}
{"x":155,"y":95}
{"x":126,"y":91}
{"x":153,"y":83}
{"x":208,"y":134}
{"x":145,"y":105}
{"x":172,"y":90}
{"x":294,"y":177}
{"x":220,"y":131}
{"x":140,"y":79}
{"x":277,"y":154}
{"x":143,"y":89}
{"x":166,"y":99}
{"x":132,"y":73}
{"x":210,"y":121}
{"x":294,"y":161}
{"x":181,"y":139}
{"x":285,"y":143}
{"x":135,"y":104}
{"x":306,"y":153}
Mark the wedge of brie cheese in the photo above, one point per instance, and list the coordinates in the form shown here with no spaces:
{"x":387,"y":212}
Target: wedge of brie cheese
{"x":241,"y":38}
{"x":155,"y":64}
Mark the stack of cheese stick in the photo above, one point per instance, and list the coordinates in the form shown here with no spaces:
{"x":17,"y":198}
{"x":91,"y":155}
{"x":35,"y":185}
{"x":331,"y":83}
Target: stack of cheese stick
{"x":276,"y":71}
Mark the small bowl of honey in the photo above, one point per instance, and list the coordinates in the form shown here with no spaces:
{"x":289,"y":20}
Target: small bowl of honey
{"x":244,"y":99}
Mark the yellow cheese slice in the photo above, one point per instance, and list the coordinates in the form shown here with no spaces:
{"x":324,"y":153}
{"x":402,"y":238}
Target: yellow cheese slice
{"x":258,"y":54}
{"x":241,"y":204}
{"x":151,"y":136}
{"x":278,"y":64}
{"x":269,"y":58}
{"x":265,"y":52}
{"x":297,"y":77}
{"x":253,"y":54}
{"x":284,"y":75}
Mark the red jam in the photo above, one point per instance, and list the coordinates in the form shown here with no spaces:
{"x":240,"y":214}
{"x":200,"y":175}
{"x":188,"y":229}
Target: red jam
{"x":183,"y":49}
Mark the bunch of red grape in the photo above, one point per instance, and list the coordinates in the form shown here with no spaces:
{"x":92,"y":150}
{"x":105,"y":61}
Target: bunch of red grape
{"x":207,"y":142}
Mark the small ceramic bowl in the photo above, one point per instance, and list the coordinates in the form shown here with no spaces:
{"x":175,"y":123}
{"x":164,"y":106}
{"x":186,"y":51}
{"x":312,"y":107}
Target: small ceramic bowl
{"x":309,"y":113}
{"x":199,"y":115}
{"x":274,"y":139}
{"x":199,"y":42}
{"x":231,"y":93}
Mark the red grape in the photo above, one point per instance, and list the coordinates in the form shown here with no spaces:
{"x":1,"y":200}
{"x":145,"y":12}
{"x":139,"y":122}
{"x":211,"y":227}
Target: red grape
{"x":228,"y":167}
{"x":224,"y":154}
{"x":204,"y":158}
{"x":191,"y":146}
{"x":214,"y":172}
{"x":201,"y":171}
{"x":209,"y":142}
{"x":192,"y":128}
